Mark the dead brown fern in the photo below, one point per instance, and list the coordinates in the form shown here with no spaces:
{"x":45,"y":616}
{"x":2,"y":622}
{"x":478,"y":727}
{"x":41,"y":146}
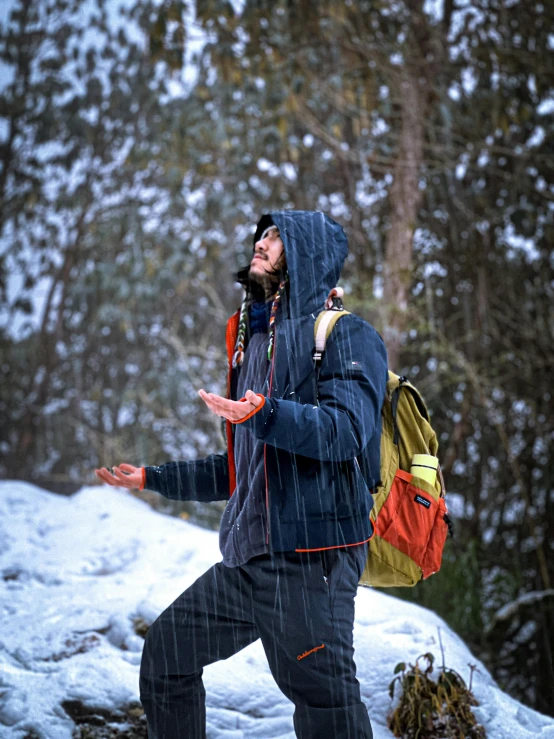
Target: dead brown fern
{"x":429,"y":709}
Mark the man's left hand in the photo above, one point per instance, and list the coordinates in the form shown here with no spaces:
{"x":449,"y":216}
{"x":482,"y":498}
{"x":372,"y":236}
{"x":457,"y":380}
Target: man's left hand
{"x":233,"y":410}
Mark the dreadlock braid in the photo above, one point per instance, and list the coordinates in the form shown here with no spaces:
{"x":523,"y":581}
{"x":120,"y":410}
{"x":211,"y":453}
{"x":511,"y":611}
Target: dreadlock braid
{"x":238,"y":356}
{"x":274,"y":306}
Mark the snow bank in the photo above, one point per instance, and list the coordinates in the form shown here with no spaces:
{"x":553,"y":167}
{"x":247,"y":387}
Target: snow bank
{"x":77,"y":572}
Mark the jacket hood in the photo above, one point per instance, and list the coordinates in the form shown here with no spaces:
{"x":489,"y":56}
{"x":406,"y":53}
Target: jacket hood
{"x":315,"y":249}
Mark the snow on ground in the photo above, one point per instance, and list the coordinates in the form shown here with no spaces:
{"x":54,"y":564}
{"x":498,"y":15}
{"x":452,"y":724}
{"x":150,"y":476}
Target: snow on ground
{"x":75,"y":573}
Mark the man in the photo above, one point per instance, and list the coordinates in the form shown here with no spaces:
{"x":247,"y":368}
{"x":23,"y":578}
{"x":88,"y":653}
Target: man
{"x":302,"y":457}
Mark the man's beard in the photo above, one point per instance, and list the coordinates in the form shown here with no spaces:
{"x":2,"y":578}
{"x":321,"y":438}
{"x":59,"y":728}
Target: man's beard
{"x":266,"y":283}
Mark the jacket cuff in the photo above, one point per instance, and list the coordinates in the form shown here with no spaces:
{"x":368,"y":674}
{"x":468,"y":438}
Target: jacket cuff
{"x":259,"y":422}
{"x":151,"y":475}
{"x":257,"y":409}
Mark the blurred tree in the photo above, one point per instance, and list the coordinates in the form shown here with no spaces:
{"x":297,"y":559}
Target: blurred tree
{"x":108,"y":317}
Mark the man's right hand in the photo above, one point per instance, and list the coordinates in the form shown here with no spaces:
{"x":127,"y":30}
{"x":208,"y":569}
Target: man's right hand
{"x":124,"y":476}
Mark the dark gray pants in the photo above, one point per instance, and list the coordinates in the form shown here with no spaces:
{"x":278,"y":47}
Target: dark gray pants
{"x":301,"y":605}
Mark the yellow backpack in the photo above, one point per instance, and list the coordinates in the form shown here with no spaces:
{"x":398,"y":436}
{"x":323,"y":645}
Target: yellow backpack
{"x":409,"y":513}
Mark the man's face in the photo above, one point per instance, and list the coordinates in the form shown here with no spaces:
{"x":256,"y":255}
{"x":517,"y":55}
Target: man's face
{"x":268,"y":254}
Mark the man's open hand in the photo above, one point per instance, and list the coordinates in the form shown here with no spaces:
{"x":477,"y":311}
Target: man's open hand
{"x":130,"y":477}
{"x":233,"y":410}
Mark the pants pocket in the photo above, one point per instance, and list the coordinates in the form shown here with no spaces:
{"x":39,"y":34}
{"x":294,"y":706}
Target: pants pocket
{"x":359,"y":555}
{"x":329,"y":559}
{"x":352,"y":558}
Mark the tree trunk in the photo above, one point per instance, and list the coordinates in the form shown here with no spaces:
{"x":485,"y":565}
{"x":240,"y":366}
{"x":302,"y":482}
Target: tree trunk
{"x":405,"y":199}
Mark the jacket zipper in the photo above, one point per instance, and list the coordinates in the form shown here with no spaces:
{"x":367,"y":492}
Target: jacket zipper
{"x":265,"y":445}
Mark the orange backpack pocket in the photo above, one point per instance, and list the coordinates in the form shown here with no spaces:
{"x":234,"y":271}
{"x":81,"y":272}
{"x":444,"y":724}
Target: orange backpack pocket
{"x":433,"y":555}
{"x":407,"y":520}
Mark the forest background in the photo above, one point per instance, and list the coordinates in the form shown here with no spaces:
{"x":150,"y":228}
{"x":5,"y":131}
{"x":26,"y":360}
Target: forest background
{"x":141,"y":141}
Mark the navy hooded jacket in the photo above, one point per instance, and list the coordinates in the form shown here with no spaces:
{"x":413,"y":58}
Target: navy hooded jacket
{"x":322,"y":438}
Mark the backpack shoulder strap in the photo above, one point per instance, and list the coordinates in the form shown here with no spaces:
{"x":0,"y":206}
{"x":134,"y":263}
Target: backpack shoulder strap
{"x":326,"y":320}
{"x":323,"y":327}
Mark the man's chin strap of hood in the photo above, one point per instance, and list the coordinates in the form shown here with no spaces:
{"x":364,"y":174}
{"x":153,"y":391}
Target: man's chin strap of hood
{"x":238,"y":356}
